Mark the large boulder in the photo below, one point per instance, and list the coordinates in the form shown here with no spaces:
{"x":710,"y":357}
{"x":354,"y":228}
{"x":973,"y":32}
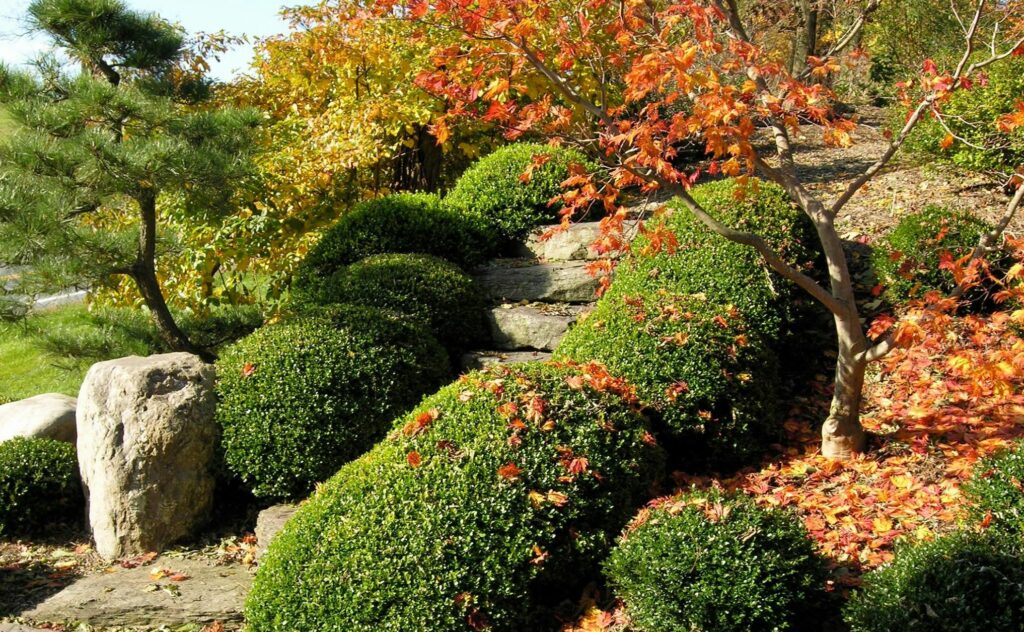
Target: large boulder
{"x":146,"y":438}
{"x":48,"y":416}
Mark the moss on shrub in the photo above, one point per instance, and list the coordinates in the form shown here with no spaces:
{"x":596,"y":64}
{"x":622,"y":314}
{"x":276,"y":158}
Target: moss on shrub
{"x":703,"y":561}
{"x":492,"y":190}
{"x":39,"y":484}
{"x":907,"y":259}
{"x":496,"y":496}
{"x":962,"y":582}
{"x":433,"y":291}
{"x":402,"y":223}
{"x":300,"y":398}
{"x":996,"y":492}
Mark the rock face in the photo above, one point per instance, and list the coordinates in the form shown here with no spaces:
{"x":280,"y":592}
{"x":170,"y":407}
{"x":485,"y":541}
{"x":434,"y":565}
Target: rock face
{"x":144,"y":596}
{"x":529,"y":327}
{"x":49,"y":416}
{"x":566,"y":282}
{"x":572,"y":244}
{"x":270,"y":521}
{"x":146,"y":437}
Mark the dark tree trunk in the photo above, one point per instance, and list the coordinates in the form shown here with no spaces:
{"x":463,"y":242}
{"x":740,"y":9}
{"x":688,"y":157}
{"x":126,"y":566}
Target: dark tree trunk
{"x":807,"y":37}
{"x":144,"y":273}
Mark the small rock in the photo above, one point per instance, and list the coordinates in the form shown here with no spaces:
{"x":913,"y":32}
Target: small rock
{"x":144,"y":596}
{"x":270,"y":521}
{"x":49,"y":416}
{"x":565,"y":282}
{"x":572,"y":244}
{"x":475,"y":360}
{"x":527,"y":327}
{"x":146,"y":438}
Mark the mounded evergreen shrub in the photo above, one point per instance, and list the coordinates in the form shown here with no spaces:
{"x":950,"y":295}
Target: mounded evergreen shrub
{"x":401,"y":223}
{"x":492,"y":190}
{"x":996,"y":492}
{"x":496,"y":496}
{"x":431,"y":290}
{"x":300,"y":398}
{"x":962,"y":582}
{"x":907,"y":259}
{"x":703,"y":561}
{"x":39,"y":484}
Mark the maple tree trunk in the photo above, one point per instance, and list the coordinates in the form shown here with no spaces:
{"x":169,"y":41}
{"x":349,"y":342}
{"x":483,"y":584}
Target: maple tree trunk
{"x":842,"y":434}
{"x":143,"y":271}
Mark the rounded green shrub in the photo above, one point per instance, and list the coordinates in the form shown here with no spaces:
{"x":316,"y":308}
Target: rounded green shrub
{"x":907,"y":259}
{"x":996,"y":492}
{"x":962,"y":582}
{"x":401,"y":223}
{"x":433,"y":291}
{"x":497,"y":496}
{"x":39,"y":484}
{"x":300,"y":398}
{"x":703,"y":561}
{"x":493,"y":191}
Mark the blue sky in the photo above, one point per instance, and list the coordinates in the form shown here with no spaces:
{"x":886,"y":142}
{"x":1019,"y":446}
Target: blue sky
{"x":252,"y":17}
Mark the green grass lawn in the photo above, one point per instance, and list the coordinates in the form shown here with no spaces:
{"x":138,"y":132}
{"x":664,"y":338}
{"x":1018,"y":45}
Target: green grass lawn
{"x":5,"y":122}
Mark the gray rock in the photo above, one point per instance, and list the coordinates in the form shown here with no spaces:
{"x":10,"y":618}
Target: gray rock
{"x":270,"y":521}
{"x":16,"y":627}
{"x":49,"y":416}
{"x":572,"y":244}
{"x":529,"y":326}
{"x":134,"y":597}
{"x":475,"y":360}
{"x":560,"y":282}
{"x":146,"y":437}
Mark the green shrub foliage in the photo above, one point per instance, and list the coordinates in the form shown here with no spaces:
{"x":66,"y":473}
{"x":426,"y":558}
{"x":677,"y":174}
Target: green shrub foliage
{"x":907,"y":259}
{"x":996,"y":492}
{"x":496,"y":496}
{"x":39,"y":484}
{"x":962,"y":582}
{"x":300,"y":398}
{"x":433,"y":291}
{"x":492,"y":190}
{"x":402,"y":223}
{"x":707,"y":562}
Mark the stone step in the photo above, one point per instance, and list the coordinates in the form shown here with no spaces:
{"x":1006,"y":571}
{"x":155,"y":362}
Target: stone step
{"x":572,"y":244}
{"x":515,"y":280}
{"x":482,"y":359}
{"x":536,"y":326}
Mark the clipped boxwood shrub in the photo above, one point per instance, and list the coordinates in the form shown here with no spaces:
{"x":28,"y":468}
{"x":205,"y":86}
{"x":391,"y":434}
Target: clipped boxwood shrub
{"x":996,"y":492}
{"x":39,"y":484}
{"x":907,"y":259}
{"x":300,"y":398}
{"x":962,"y":582}
{"x":406,"y":223}
{"x":496,"y":496}
{"x":431,"y":290}
{"x":703,"y":561}
{"x":492,"y":189}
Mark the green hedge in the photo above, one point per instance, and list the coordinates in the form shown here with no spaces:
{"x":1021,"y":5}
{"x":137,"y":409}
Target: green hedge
{"x":39,"y":485}
{"x":300,"y":398}
{"x":496,"y":496}
{"x":707,"y":562}
{"x":433,"y":291}
{"x":492,"y":190}
{"x":402,"y":223}
{"x":907,"y":259}
{"x":962,"y":582}
{"x":997,"y":488}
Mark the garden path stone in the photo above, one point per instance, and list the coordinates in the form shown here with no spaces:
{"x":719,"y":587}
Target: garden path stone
{"x":16,"y":627}
{"x":270,"y":521}
{"x":554,"y":282}
{"x":48,"y":416}
{"x":572,"y":244}
{"x":475,"y":360}
{"x":146,"y":438}
{"x":135,"y":597}
{"x":529,"y":326}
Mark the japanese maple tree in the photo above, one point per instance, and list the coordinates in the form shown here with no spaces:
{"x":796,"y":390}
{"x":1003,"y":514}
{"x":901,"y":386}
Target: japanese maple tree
{"x":634,"y":81}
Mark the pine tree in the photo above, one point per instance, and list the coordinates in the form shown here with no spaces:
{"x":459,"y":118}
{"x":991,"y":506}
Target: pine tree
{"x":98,"y":155}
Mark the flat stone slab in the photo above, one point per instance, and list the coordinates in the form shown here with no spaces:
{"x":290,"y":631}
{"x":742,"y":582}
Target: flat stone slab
{"x":555,"y":282}
{"x":270,"y":521}
{"x":475,"y":360}
{"x":529,"y":327}
{"x":140,"y":597}
{"x":575,"y":243}
{"x":16,"y":627}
